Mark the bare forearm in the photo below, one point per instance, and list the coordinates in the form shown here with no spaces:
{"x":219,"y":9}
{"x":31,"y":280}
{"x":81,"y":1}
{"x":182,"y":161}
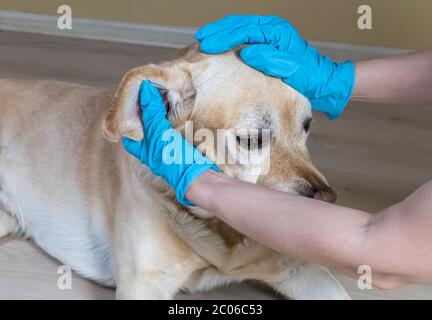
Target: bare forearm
{"x":305,"y":228}
{"x":395,"y":243}
{"x":404,"y":79}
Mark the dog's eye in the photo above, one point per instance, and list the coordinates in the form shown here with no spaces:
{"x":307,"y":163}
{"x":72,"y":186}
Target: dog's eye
{"x":251,"y":141}
{"x":307,"y":124}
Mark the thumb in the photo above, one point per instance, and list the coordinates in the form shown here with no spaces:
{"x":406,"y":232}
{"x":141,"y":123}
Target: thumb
{"x":150,"y":99}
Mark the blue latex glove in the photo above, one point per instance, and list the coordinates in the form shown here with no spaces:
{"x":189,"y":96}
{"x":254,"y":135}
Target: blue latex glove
{"x":281,"y":52}
{"x":163,"y":149}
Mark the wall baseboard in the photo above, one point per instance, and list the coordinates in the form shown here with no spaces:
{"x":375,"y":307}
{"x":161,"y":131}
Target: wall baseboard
{"x":172,"y":37}
{"x":146,"y":34}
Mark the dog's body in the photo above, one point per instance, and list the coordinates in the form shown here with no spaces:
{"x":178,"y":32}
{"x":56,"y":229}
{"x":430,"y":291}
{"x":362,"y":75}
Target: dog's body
{"x":88,"y":203}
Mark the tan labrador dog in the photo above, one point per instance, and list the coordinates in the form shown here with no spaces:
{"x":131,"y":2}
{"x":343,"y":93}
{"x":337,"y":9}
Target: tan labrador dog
{"x":94,"y":207}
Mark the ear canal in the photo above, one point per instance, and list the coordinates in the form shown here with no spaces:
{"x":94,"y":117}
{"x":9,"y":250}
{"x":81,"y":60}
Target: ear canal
{"x":123,"y":118}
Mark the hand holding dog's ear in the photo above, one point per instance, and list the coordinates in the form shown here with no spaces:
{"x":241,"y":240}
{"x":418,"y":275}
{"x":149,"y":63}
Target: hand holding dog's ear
{"x":123,"y":117}
{"x":278,"y":50}
{"x":163,"y":149}
{"x":152,"y":112}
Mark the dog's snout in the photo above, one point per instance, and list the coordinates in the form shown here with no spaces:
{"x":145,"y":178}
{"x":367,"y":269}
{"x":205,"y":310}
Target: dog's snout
{"x":316,"y":187}
{"x":326,"y":194}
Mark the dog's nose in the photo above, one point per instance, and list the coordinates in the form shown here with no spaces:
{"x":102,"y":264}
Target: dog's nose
{"x":323,"y":193}
{"x":326,"y":194}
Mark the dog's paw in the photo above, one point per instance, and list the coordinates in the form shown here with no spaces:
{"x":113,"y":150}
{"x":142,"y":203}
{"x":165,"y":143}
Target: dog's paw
{"x":312,"y":282}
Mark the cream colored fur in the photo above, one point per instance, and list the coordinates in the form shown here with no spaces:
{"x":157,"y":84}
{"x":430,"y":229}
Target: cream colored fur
{"x":91,"y":205}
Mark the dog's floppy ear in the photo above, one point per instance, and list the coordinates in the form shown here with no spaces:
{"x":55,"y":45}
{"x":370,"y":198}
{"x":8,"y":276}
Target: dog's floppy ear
{"x":173,"y":80}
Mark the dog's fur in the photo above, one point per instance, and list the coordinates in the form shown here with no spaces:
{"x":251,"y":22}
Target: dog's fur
{"x":94,"y":207}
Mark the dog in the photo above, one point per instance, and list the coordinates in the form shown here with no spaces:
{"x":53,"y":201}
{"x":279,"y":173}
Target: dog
{"x":67,"y":184}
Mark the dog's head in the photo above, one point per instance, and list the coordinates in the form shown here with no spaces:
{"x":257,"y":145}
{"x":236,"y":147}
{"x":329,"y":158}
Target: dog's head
{"x":266,"y":122}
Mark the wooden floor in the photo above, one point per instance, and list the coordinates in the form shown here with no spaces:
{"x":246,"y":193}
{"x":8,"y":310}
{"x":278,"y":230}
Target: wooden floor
{"x":374,"y":156}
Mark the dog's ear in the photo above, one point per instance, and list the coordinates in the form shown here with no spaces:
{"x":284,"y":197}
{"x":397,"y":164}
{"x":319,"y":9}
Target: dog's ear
{"x":175,"y":84}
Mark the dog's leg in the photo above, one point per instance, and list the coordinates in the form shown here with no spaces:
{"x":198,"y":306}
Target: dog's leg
{"x":210,"y":278}
{"x":7,"y":223}
{"x":309,"y":282}
{"x":161,"y":283}
{"x":151,"y":261}
{"x":292,"y":279}
{"x":150,"y":285}
{"x":153,"y":279}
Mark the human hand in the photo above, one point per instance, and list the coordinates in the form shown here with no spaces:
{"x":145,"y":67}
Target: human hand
{"x":278,"y":50}
{"x":163,"y":149}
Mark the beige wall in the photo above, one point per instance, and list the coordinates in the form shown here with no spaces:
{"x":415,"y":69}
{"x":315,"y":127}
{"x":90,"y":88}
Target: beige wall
{"x":396,"y":23}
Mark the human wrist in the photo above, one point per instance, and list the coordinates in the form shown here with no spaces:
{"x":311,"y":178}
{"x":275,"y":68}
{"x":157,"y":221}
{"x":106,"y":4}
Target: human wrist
{"x":333,"y":95}
{"x":189,"y":177}
{"x":345,"y":78}
{"x":201,"y":190}
{"x":177,"y":161}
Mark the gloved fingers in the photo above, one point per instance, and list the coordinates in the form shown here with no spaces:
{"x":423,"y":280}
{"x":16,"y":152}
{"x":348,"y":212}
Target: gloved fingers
{"x":233,"y":22}
{"x":273,"y":34}
{"x":153,"y":111}
{"x":153,"y":114}
{"x":150,"y":99}
{"x":276,"y":63}
{"x":269,"y":60}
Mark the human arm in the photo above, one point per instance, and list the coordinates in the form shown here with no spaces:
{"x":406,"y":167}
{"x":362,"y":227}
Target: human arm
{"x":400,"y":79}
{"x":396,"y":243}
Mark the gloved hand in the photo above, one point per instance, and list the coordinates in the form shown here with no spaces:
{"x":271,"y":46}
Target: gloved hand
{"x":163,"y":148}
{"x":281,"y":52}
